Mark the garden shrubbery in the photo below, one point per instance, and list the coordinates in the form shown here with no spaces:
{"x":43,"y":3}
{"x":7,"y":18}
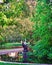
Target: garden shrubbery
{"x":42,"y":32}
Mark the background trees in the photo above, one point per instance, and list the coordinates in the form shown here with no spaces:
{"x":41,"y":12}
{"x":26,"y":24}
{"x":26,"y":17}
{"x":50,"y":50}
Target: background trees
{"x":16,"y":9}
{"x":14,"y":20}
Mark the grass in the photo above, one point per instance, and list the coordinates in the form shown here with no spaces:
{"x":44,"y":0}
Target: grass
{"x":10,"y":45}
{"x":8,"y":63}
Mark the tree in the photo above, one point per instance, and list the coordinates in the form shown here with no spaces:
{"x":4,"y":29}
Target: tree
{"x":3,"y":19}
{"x":42,"y":30}
{"x":1,"y":41}
{"x":17,"y":9}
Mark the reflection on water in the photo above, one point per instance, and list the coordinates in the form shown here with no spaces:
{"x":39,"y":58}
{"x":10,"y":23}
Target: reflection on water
{"x":13,"y":57}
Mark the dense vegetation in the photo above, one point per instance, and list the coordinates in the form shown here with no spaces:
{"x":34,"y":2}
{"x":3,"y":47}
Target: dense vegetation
{"x":14,"y":22}
{"x":42,"y":32}
{"x":15,"y":26}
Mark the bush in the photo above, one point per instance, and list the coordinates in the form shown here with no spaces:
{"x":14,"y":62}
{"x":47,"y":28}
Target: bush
{"x":42,"y":31}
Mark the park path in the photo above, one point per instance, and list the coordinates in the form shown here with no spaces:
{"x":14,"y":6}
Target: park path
{"x":6,"y":51}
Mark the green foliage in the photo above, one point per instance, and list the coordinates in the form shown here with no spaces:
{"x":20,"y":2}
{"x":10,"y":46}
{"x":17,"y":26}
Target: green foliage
{"x":42,"y":30}
{"x":40,"y":49}
{"x":22,"y":9}
{"x":1,"y":38}
{"x":1,"y":41}
{"x":17,"y":9}
{"x":3,"y":19}
{"x":50,"y":53}
{"x":10,"y":28}
{"x":46,"y":1}
{"x":42,"y":19}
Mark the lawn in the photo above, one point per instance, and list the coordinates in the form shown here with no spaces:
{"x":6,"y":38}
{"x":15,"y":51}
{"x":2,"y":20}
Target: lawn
{"x":12,"y":45}
{"x":10,"y":63}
